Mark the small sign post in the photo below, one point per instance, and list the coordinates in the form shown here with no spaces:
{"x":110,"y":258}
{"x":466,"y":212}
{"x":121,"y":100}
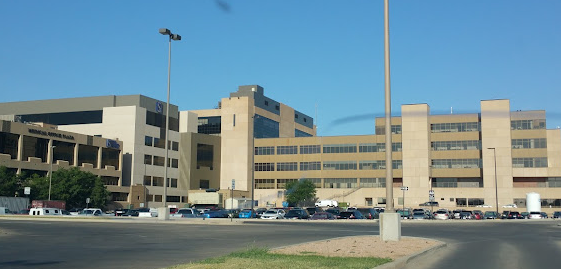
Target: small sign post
{"x":431,"y":200}
{"x":87,"y":205}
{"x":232,"y":195}
{"x":404,"y":188}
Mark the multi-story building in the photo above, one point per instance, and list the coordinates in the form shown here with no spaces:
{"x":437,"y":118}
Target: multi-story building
{"x":138,"y":121}
{"x":467,"y":160}
{"x":40,"y":148}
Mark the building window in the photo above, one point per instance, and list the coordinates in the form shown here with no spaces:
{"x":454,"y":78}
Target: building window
{"x":148,"y":141}
{"x":461,"y":202}
{"x":455,"y":163}
{"x":173,"y":199}
{"x":173,"y":163}
{"x":290,"y":166}
{"x":341,"y":165}
{"x":554,"y":182}
{"x":372,"y":182}
{"x":264,"y":166}
{"x":281,"y":182}
{"x":147,"y":159}
{"x":159,"y":143}
{"x":209,"y":125}
{"x":456,"y":145}
{"x":172,"y":182}
{"x":532,"y":143}
{"x":473,"y":202}
{"x":339,"y":183}
{"x":112,"y":181}
{"x":157,"y":198}
{"x":298,"y":133}
{"x":264,"y":127}
{"x":368,"y":201}
{"x":110,"y":157}
{"x":204,"y":184}
{"x":342,"y":148}
{"x":306,"y":166}
{"x":87,"y":154}
{"x":529,"y":162}
{"x":381,"y":130}
{"x":372,"y":165}
{"x":455,"y":127}
{"x":315,"y":181}
{"x":205,"y":155}
{"x":119,"y":196}
{"x":158,"y":181}
{"x":9,"y":144}
{"x":266,"y":102}
{"x":159,"y":161}
{"x":264,"y":150}
{"x":282,"y":150}
{"x":265,"y":183}
{"x":310,"y":149}
{"x":147,"y":181}
{"x":527,"y":124}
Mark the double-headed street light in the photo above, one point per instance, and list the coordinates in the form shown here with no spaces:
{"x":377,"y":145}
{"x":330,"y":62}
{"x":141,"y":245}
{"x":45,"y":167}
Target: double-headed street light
{"x":176,"y":37}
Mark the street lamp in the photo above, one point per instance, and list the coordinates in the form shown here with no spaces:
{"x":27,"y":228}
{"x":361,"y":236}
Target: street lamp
{"x":51,"y":170}
{"x":176,"y":37}
{"x":388,"y":104}
{"x":496,"y":187}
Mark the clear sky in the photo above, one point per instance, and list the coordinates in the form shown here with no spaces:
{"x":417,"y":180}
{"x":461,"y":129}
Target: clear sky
{"x":322,"y":57}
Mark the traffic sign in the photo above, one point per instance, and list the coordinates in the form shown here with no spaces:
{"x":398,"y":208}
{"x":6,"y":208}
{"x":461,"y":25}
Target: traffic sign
{"x":404,"y":188}
{"x":27,"y":190}
{"x":233,"y":184}
{"x":431,"y":192}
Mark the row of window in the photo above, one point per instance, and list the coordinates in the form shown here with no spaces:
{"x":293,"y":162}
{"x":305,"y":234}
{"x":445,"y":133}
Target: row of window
{"x":456,"y":163}
{"x":159,"y":161}
{"x":457,"y":182}
{"x":328,"y":165}
{"x":456,"y":145}
{"x":160,"y":143}
{"x":531,"y":143}
{"x":332,"y":183}
{"x":527,"y":124}
{"x":529,"y":162}
{"x":455,"y":127}
{"x":332,"y":148}
{"x":171,"y":199}
{"x":159,"y":181}
{"x":381,"y":130}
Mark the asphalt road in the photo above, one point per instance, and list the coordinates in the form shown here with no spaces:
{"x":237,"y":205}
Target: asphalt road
{"x":471,"y":244}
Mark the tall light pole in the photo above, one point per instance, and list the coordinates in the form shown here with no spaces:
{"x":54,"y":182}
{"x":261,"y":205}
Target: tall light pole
{"x":51,"y":170}
{"x":165,"y":31}
{"x":388,"y":133}
{"x":496,"y":187}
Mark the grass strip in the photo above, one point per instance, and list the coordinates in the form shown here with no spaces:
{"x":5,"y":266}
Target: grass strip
{"x":258,"y":258}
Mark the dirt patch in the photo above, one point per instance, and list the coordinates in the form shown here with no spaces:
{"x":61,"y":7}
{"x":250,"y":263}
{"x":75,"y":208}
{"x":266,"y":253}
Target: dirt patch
{"x":361,"y":246}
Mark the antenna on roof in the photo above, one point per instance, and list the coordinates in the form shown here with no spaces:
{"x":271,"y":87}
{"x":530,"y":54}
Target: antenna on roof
{"x":451,"y":110}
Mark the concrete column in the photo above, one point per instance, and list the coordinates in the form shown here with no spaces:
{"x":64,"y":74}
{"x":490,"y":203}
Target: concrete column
{"x":20,"y":149}
{"x":50,"y":156}
{"x":99,"y":154}
{"x":76,"y":155}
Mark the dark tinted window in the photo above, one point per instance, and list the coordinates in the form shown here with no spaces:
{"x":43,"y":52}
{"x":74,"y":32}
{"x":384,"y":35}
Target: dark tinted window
{"x":65,"y":118}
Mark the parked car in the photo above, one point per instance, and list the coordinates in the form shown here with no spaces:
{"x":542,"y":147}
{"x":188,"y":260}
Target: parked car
{"x":186,"y":213}
{"x":557,"y":214}
{"x":477,"y":214}
{"x":75,"y":211}
{"x":525,"y":215}
{"x":247,"y":214}
{"x":217,"y":213}
{"x":456,"y":214}
{"x":405,"y":214}
{"x":535,"y":215}
{"x":323,"y":216}
{"x":121,"y":211}
{"x":147,"y":212}
{"x":297,"y":214}
{"x":504,"y":215}
{"x":274,"y":214}
{"x":420,"y":215}
{"x":442,"y":214}
{"x":434,"y":203}
{"x":260,"y":211}
{"x":91,"y":212}
{"x":130,"y":213}
{"x":544,"y":215}
{"x":23,"y":212}
{"x":514,"y":215}
{"x":327,"y":203}
{"x":334,"y":210}
{"x":354,"y":214}
{"x":466,"y":215}
{"x":490,"y":215}
{"x":313,"y":210}
{"x":369,"y":213}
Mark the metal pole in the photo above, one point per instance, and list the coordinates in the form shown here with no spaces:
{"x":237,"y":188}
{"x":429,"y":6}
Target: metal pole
{"x":253,"y":166}
{"x":404,"y":202}
{"x":164,"y":199}
{"x":389,"y":166}
{"x":496,"y":186}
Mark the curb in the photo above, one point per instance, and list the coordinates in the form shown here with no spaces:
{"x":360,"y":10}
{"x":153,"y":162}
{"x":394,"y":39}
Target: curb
{"x":403,"y":261}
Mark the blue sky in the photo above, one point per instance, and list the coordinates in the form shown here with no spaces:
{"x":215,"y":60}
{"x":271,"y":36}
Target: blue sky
{"x":320,"y":55}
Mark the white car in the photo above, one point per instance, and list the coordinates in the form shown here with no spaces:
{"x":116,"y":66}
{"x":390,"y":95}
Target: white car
{"x":186,"y":213}
{"x":147,"y":212}
{"x":442,"y":214}
{"x":510,"y":206}
{"x":484,"y":206}
{"x":91,"y":212}
{"x":273,"y":214}
{"x":535,"y":215}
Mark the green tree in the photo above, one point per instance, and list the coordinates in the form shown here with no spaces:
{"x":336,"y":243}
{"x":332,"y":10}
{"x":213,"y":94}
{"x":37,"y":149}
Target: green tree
{"x":10,"y":183}
{"x":71,"y":185}
{"x":301,"y":193}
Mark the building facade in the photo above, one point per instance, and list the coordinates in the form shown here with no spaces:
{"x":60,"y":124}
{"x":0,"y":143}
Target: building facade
{"x":136,"y":120}
{"x":459,"y":157}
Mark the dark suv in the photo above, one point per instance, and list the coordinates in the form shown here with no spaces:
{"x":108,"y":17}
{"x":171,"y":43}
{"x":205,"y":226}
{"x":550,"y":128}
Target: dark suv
{"x":297,"y":214}
{"x":557,"y":215}
{"x":514,"y":215}
{"x":368,"y":213}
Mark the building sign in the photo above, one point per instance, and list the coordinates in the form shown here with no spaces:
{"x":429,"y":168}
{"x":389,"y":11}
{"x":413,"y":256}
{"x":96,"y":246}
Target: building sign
{"x":112,"y":144}
{"x":159,"y":107}
{"x":51,"y":134}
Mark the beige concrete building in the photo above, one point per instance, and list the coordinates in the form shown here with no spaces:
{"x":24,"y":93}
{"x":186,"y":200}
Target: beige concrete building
{"x":452,"y":155}
{"x":38,"y":148}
